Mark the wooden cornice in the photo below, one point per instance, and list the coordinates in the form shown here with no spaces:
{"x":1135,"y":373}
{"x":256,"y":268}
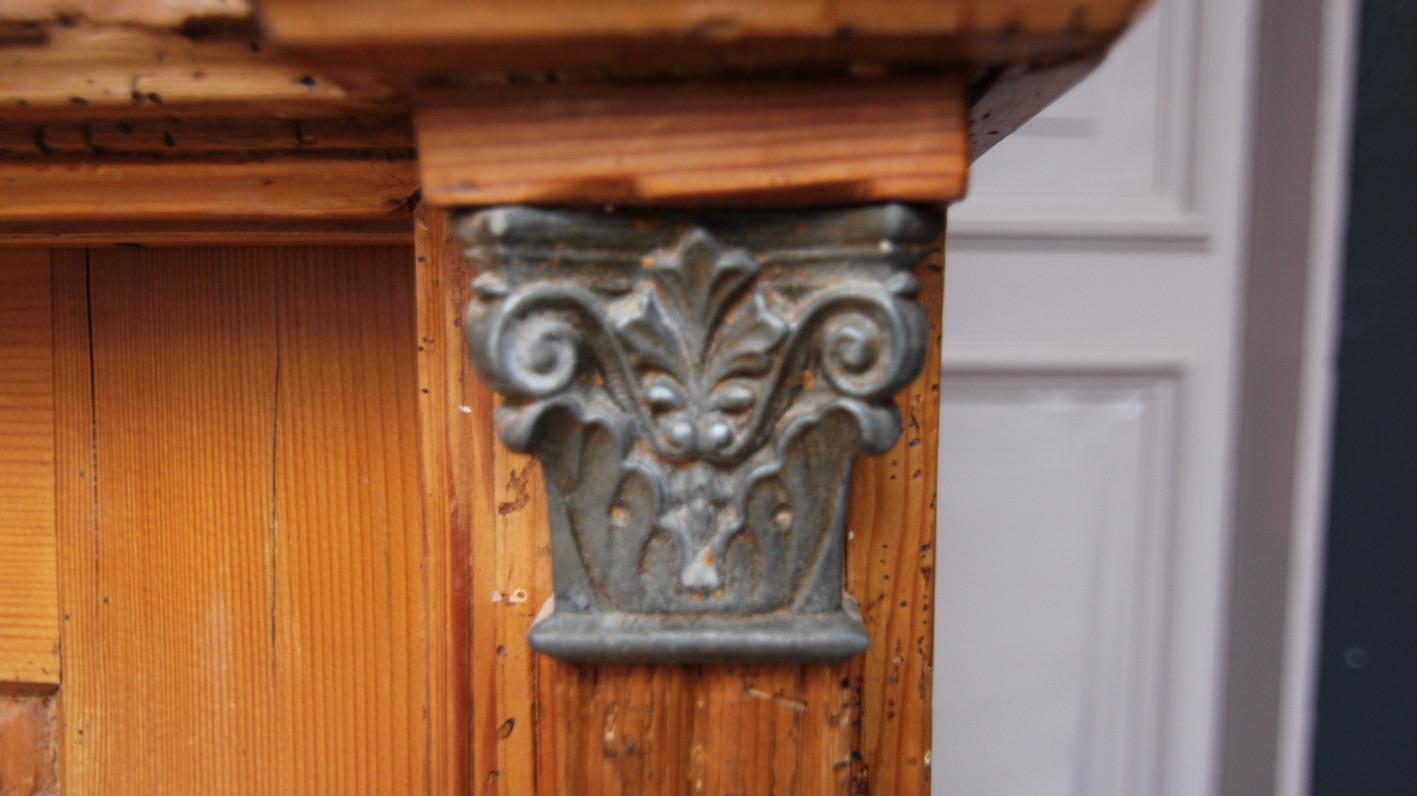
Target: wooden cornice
{"x":97,"y":96}
{"x":644,"y":37}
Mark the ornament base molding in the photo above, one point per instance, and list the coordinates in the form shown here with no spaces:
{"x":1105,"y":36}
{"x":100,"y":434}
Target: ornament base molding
{"x":780,"y":636}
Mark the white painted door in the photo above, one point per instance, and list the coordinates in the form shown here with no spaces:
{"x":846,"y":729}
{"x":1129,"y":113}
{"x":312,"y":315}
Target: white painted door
{"x":1085,"y":435}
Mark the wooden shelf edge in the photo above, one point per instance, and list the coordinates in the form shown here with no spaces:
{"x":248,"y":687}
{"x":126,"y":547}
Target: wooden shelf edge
{"x":279,"y":189}
{"x":239,"y":232}
{"x":758,"y":143}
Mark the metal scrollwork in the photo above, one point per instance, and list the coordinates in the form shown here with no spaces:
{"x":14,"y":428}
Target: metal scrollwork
{"x":696,"y":388}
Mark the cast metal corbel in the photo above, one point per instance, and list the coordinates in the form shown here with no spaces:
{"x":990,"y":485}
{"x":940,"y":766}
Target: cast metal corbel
{"x":696,"y":388}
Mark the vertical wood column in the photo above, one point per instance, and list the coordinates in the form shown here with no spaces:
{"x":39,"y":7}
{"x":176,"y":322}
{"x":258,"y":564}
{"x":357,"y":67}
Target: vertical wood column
{"x":544,"y":726}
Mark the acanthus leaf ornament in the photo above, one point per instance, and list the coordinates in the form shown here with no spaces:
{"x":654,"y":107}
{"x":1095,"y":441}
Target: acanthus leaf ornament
{"x":696,"y":388}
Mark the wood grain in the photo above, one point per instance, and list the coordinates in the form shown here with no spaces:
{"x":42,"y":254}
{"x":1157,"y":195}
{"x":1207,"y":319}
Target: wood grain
{"x":540,"y":726}
{"x":720,"y":20}
{"x":97,"y":66}
{"x":447,"y":476}
{"x":247,"y":607}
{"x":105,"y":191}
{"x":628,"y":37}
{"x":187,"y":136}
{"x":29,"y":604}
{"x":27,"y":749}
{"x":758,"y":143}
{"x":394,"y":230}
{"x":122,"y":70}
{"x":890,"y":555}
{"x":153,"y":13}
{"x":461,"y":459}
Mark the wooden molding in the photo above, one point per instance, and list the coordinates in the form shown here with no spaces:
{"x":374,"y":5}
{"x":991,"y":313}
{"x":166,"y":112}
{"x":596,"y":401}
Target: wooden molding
{"x":363,"y":21}
{"x":709,"y":143}
{"x":122,"y":71}
{"x":210,"y":116}
{"x":635,"y":37}
{"x":147,"y":13}
{"x":261,"y":190}
{"x":185,"y":137}
{"x":265,"y":231}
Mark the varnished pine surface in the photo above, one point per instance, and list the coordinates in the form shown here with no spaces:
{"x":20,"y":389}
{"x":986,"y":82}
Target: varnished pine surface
{"x":29,"y":620}
{"x":648,"y":37}
{"x":785,"y":143}
{"x":179,"y":191}
{"x":245,"y":581}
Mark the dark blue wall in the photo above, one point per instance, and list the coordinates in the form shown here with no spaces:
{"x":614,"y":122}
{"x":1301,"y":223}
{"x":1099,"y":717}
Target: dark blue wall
{"x":1366,"y":736}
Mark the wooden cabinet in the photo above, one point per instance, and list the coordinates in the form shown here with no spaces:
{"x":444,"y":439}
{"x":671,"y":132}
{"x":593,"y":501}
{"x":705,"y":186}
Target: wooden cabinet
{"x":257,"y":531}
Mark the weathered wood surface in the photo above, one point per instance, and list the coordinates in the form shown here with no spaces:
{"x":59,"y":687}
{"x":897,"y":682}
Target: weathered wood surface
{"x":187,"y":137}
{"x":447,"y":476}
{"x":759,"y":143}
{"x":148,"y":112}
{"x":152,"y":13}
{"x":890,"y":566}
{"x":543,"y":726}
{"x":250,"y":604}
{"x":89,"y":62}
{"x":719,"y":20}
{"x":121,"y":117}
{"x":628,"y":37}
{"x":88,"y":71}
{"x":28,"y":754}
{"x":29,"y":605}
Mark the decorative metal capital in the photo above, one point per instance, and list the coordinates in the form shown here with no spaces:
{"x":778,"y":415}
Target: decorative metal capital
{"x":696,"y":388}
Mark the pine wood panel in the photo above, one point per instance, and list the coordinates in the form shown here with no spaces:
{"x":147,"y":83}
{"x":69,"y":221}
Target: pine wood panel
{"x":29,"y":603}
{"x":180,"y":683}
{"x":540,"y":726}
{"x":350,"y":597}
{"x":247,"y":602}
{"x":757,"y":143}
{"x":81,"y":738}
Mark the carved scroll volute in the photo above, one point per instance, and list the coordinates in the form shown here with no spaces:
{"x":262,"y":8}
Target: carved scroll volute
{"x":696,"y":388}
